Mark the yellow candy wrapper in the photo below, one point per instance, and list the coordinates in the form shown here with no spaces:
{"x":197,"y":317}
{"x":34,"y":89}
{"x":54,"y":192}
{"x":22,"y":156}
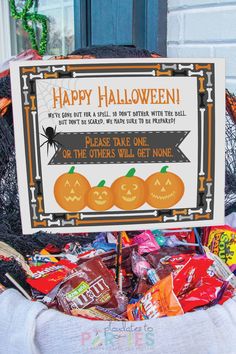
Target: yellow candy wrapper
{"x":222,"y":242}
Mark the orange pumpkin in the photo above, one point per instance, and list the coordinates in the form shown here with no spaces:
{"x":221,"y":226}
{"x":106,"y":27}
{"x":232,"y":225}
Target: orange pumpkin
{"x":164,"y":189}
{"x":100,"y":197}
{"x":70,"y":190}
{"x":129,"y":191}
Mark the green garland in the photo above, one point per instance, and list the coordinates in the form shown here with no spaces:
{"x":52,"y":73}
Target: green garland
{"x":26,"y":16}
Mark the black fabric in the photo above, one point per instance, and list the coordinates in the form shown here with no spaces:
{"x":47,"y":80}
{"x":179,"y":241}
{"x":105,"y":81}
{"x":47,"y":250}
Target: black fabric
{"x":5,"y":87}
{"x":230,"y":165}
{"x":113,"y":51}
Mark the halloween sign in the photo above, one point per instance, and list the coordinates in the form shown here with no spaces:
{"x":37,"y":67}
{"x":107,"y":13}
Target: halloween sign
{"x":119,"y":144}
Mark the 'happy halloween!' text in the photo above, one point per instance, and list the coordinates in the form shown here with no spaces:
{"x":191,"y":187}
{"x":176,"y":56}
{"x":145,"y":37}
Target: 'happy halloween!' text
{"x":106,"y":96}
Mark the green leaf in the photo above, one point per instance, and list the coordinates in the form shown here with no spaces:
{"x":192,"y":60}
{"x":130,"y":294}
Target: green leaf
{"x":101,"y":183}
{"x":72,"y":170}
{"x":131,"y":172}
{"x":164,"y":169}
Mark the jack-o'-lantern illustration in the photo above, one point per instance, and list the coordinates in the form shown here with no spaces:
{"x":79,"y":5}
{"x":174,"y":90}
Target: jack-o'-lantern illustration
{"x":70,"y":190}
{"x":129,"y":191}
{"x":100,"y":197}
{"x":164,"y":189}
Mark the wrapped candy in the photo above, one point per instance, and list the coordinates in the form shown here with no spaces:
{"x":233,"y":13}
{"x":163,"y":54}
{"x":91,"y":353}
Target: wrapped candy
{"x":222,"y":242}
{"x":139,"y":265}
{"x":159,"y":301}
{"x":146,"y":242}
{"x":90,"y":284}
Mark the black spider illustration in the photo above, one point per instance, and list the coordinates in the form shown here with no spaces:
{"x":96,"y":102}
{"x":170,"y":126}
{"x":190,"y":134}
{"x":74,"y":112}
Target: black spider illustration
{"x":50,"y":134}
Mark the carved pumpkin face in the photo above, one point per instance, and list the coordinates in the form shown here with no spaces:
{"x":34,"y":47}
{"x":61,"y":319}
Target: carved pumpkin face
{"x":129,"y":191}
{"x":100,"y":198}
{"x":164,"y":189}
{"x":70,"y":190}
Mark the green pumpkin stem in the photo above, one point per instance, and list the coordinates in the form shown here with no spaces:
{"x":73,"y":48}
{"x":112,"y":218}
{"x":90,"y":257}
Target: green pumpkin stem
{"x":131,"y":172}
{"x":164,"y":169}
{"x":72,"y":170}
{"x":101,"y":183}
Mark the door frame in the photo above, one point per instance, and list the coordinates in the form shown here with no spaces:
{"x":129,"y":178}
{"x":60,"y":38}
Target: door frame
{"x":149,"y":25}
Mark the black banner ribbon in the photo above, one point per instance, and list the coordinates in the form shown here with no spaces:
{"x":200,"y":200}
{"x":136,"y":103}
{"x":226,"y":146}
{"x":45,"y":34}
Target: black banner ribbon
{"x":119,"y":147}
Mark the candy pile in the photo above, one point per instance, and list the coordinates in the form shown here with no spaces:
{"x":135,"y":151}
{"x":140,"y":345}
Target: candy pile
{"x":131,"y":275}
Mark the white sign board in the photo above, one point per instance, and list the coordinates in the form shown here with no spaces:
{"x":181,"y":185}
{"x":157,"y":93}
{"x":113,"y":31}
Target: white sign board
{"x":119,"y":144}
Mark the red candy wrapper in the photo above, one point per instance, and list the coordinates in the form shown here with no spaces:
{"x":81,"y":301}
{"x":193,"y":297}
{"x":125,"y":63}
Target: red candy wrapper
{"x":47,"y":276}
{"x":187,"y":278}
{"x":203,"y":295}
{"x":90,"y":284}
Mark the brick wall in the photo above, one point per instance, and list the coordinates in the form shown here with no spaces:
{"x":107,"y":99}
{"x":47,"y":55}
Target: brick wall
{"x":204,"y":28}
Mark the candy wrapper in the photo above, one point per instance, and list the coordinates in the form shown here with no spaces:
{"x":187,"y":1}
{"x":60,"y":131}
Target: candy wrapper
{"x":187,"y":278}
{"x":177,"y":262}
{"x":222,"y":242}
{"x":90,"y":284}
{"x":203,"y":294}
{"x":47,"y":276}
{"x":146,"y":242}
{"x":159,"y":301}
{"x":220,"y":268}
{"x":139,"y":265}
{"x":168,"y":260}
{"x":98,"y":313}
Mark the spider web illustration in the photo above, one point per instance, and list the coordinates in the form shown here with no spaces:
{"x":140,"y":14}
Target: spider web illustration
{"x":45,"y":102}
